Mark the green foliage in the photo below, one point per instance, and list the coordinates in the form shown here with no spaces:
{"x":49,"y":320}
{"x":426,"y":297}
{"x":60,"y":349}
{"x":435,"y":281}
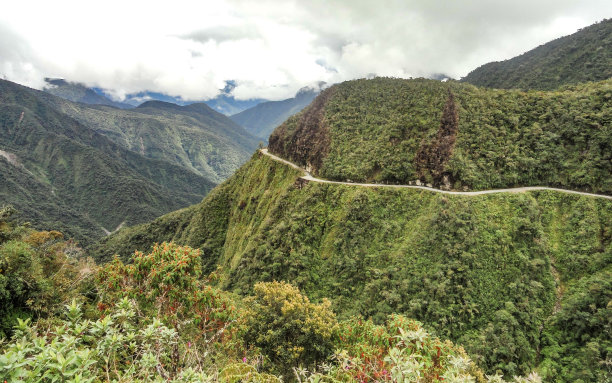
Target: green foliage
{"x":374,"y":129}
{"x":583,"y":354}
{"x":113,"y":348}
{"x":485,"y":271}
{"x":167,"y":283}
{"x":398,"y":350}
{"x":39,"y":272}
{"x":580,"y":57}
{"x":288,"y":329}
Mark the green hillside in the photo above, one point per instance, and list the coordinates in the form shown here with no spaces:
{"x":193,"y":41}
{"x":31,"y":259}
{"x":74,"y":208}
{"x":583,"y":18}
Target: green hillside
{"x":583,"y":56}
{"x":37,"y":202}
{"x":193,"y":136}
{"x":454,"y":135}
{"x":263,"y":118}
{"x":88,"y":182}
{"x":494,"y":273}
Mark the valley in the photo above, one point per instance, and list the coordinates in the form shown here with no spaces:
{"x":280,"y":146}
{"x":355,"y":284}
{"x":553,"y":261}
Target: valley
{"x":394,"y":228}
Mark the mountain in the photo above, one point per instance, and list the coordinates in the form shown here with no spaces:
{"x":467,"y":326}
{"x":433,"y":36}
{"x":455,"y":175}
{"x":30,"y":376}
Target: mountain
{"x":192,"y":136}
{"x":583,"y":56}
{"x":454,"y":135}
{"x":228,"y":105}
{"x":261,"y":119}
{"x":516,"y":278}
{"x":55,"y":169}
{"x":77,"y":92}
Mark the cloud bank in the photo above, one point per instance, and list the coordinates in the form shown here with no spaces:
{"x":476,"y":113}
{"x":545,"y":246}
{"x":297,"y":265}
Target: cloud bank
{"x":190,"y":49}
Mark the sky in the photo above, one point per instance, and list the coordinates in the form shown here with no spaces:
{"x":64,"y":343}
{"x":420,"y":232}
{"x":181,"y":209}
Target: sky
{"x":269,"y":48}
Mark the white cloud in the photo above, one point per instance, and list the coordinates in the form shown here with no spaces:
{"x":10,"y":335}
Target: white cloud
{"x":270,"y":48}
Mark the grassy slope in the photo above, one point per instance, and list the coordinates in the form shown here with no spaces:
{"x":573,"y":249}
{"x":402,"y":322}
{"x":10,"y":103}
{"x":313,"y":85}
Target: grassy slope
{"x":583,"y":56}
{"x":95,"y":177}
{"x":373,"y":129}
{"x":477,"y":269}
{"x":193,"y":136}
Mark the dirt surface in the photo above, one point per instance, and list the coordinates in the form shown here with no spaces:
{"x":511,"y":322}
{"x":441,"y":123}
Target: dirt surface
{"x":308,"y":177}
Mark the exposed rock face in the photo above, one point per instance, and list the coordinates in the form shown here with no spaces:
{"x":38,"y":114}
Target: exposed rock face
{"x":432,"y":157}
{"x":308,"y":144}
{"x":10,"y":157}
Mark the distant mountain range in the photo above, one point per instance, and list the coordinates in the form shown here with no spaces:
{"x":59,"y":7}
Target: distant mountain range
{"x":193,"y":136}
{"x":261,"y":119}
{"x":258,"y":116}
{"x":583,"y":56}
{"x":225,"y":103}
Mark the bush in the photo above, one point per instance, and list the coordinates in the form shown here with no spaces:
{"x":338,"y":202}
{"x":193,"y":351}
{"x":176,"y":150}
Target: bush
{"x":112,"y":348}
{"x":288,"y":329}
{"x":39,"y":272}
{"x":167,"y":283}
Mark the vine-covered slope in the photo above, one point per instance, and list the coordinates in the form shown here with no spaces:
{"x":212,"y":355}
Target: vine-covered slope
{"x":455,"y":135}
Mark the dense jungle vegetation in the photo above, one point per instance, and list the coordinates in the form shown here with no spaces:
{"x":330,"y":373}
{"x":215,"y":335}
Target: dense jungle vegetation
{"x":507,"y":276}
{"x":159,"y":319}
{"x":581,"y":57}
{"x":372,"y":130}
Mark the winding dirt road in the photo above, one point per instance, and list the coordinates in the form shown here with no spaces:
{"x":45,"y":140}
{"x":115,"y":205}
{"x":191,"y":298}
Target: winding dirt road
{"x":307,"y":176}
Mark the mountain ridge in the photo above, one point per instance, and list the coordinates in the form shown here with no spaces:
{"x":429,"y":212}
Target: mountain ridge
{"x":374,"y":130}
{"x":84,"y":169}
{"x":193,"y":136}
{"x":261,"y":119}
{"x":580,"y":57}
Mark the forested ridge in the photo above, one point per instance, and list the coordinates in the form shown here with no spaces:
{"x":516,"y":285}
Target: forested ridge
{"x":580,"y":57}
{"x":193,"y":136}
{"x":374,"y":130}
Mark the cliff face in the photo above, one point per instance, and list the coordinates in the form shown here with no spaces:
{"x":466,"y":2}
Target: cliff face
{"x":305,"y":137}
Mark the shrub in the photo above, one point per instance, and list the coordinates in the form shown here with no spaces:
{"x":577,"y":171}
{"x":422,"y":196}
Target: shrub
{"x":111,"y":348}
{"x":39,"y":272}
{"x":288,"y":329}
{"x":167,"y":283}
